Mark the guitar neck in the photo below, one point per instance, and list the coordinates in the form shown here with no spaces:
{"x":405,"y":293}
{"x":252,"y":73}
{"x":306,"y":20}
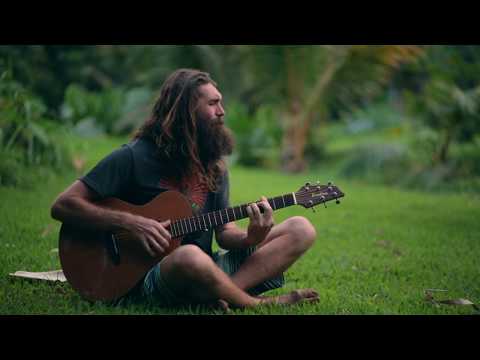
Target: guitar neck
{"x":206,"y":222}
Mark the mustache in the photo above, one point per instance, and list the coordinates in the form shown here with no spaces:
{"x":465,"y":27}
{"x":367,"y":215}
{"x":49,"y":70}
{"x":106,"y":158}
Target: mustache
{"x":218,"y":121}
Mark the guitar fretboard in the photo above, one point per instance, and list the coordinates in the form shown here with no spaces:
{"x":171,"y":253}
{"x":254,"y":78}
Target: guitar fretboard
{"x":205,"y":222}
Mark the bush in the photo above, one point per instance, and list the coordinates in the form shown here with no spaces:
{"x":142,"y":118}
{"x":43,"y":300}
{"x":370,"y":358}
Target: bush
{"x":27,"y":139}
{"x":112,"y":111}
{"x":378,"y":163}
{"x":258,"y":137}
{"x":11,"y":168}
{"x":410,"y":164}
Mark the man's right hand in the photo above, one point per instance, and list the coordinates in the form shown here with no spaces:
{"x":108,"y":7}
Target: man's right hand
{"x":153,"y":235}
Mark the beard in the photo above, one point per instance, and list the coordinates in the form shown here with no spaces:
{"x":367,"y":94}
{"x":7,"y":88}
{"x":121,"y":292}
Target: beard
{"x":214,"y":140}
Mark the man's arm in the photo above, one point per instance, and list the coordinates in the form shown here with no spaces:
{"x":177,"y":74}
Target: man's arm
{"x":77,"y":206}
{"x":230,"y":236}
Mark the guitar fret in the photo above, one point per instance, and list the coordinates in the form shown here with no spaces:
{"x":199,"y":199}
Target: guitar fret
{"x":209,"y":220}
{"x":283,"y":199}
{"x":228,"y":219}
{"x":203,"y":218}
{"x":274,"y":206}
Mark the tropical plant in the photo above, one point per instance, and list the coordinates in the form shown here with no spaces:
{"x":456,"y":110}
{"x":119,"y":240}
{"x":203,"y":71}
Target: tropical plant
{"x":307,"y":80}
{"x":451,"y":111}
{"x":25,"y":134}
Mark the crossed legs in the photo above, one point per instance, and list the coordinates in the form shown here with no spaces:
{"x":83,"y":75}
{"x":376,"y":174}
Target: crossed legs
{"x":192,"y":274}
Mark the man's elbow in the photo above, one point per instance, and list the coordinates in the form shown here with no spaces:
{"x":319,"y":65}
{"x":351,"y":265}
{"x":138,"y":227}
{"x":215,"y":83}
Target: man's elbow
{"x":58,"y":207}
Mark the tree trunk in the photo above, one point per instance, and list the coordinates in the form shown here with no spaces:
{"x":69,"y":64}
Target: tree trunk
{"x":292,"y":148}
{"x":441,"y":156}
{"x":300,"y":113}
{"x":294,"y":140}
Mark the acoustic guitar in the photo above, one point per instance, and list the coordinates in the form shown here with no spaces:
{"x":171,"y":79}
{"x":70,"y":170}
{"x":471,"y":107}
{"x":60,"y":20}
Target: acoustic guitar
{"x":105,"y":266}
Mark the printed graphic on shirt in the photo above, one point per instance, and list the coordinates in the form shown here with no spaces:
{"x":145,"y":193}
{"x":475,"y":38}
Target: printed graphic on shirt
{"x":194,"y":191}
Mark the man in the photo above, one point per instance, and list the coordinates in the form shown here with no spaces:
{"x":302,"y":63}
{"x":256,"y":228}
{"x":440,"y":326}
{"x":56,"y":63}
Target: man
{"x":182,"y":147}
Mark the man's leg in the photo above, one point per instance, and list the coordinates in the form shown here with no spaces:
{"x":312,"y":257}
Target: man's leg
{"x":284,"y":245}
{"x":193,"y":275}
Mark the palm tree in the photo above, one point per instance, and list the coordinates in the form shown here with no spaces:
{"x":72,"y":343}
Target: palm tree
{"x":304,"y":78}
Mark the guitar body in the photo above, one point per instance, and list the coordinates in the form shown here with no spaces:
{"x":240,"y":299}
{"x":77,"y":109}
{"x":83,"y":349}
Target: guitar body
{"x":103,"y":266}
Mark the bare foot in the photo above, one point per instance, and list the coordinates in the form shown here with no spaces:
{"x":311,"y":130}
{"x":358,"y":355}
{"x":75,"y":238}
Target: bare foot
{"x":295,"y":297}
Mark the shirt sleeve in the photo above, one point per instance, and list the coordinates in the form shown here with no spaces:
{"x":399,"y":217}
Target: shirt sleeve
{"x":112,"y":175}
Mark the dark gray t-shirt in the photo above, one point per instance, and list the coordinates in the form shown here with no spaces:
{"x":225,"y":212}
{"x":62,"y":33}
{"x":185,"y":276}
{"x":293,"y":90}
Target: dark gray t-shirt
{"x":134,"y":174}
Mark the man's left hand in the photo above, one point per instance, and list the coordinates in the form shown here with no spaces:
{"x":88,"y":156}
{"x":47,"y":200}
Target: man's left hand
{"x":260,"y":224}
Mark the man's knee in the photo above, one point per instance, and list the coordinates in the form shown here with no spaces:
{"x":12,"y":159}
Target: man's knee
{"x":303,"y":231}
{"x":190,"y":262}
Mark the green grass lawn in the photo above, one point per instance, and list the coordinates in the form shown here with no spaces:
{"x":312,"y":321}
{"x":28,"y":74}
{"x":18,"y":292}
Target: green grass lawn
{"x":376,"y":253}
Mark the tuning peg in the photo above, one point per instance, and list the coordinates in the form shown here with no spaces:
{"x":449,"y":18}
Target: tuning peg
{"x":330,"y":183}
{"x":337,"y":202}
{"x":313,"y":209}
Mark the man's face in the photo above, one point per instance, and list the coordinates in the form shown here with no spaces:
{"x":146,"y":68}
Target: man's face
{"x":214,"y":138}
{"x":210,"y":107}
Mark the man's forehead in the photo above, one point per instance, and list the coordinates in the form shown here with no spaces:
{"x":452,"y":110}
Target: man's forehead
{"x":210,"y":92}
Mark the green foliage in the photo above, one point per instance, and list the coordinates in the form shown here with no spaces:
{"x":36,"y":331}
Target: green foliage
{"x":401,"y":156}
{"x":448,"y":97}
{"x":384,"y":163}
{"x":257,"y":137}
{"x":27,"y":139}
{"x":111,"y":111}
{"x":136,"y":109}
{"x":445,"y":106}
{"x":108,"y":89}
{"x":100,"y":108}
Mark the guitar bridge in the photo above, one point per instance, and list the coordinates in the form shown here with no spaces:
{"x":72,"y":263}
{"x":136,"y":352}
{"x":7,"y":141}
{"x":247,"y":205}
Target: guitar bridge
{"x":112,"y":246}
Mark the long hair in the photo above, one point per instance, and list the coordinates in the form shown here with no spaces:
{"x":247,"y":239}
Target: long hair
{"x":173,"y":128}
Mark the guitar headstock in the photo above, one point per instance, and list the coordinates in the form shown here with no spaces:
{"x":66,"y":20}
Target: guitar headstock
{"x":312,"y":195}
